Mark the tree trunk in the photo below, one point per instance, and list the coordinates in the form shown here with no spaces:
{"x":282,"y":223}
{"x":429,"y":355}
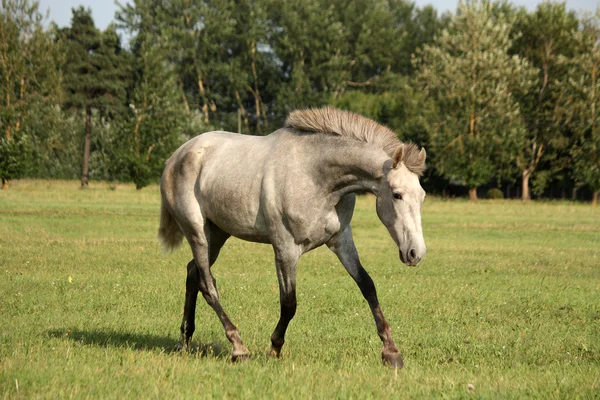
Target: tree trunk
{"x":4,"y":184}
{"x":86,"y":149}
{"x":255,"y":91}
{"x":473,"y":193}
{"x":525,"y":186}
{"x":595,"y":198}
{"x":241,"y":111}
{"x":576,"y":187}
{"x":184,"y":97}
{"x":205,"y":106}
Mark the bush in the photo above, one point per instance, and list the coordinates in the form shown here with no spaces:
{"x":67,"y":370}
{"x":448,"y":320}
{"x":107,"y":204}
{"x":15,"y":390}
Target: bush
{"x":495,"y":193}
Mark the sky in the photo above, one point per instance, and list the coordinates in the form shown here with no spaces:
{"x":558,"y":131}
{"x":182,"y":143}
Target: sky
{"x":103,"y":11}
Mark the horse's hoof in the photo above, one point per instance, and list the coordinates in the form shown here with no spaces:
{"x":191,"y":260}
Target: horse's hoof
{"x":182,"y":347}
{"x":273,"y":353}
{"x":392,"y":360}
{"x":239,"y":357}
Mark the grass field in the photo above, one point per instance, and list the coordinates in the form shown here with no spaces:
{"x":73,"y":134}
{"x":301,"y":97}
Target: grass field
{"x":507,"y":300}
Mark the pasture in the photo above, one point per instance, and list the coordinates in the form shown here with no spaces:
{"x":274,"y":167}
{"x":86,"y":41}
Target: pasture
{"x":507,"y":300}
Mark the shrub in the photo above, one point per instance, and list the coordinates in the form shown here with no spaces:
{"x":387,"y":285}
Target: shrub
{"x":495,"y":193}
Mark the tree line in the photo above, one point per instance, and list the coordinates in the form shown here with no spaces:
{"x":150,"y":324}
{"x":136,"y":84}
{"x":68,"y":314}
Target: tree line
{"x":504,"y":99}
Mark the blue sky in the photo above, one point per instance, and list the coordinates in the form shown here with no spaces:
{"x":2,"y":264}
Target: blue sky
{"x":103,"y":11}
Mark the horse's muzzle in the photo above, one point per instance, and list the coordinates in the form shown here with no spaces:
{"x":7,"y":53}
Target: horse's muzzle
{"x":412,"y":257}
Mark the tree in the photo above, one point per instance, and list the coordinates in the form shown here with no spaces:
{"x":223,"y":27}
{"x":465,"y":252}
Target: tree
{"x":310,"y":43}
{"x":418,"y":27}
{"x":158,"y":119}
{"x":217,"y":48}
{"x":29,"y":58}
{"x":473,"y":80}
{"x":55,"y":142}
{"x":546,"y":35}
{"x":374,"y":39}
{"x":94,"y":75}
{"x":579,"y":104}
{"x":394,"y":102}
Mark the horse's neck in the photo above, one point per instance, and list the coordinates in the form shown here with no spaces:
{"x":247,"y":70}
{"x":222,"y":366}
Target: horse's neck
{"x":357,"y":167}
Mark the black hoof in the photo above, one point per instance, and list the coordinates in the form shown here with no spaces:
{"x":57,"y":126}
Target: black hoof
{"x":184,"y":348}
{"x":240,"y":357}
{"x":392,"y":360}
{"x":273,"y":353}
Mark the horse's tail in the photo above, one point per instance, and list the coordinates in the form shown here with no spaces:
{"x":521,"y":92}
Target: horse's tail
{"x":169,"y":233}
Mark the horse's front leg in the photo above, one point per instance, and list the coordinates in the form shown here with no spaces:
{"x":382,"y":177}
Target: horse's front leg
{"x":286,"y":260}
{"x":343,"y":246}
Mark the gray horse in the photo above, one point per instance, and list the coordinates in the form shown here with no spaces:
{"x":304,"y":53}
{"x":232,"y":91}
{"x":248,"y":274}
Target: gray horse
{"x":294,"y":189}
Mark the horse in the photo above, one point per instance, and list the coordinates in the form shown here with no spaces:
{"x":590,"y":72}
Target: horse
{"x":294,"y":189}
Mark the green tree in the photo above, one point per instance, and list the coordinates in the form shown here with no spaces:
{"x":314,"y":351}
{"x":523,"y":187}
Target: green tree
{"x":310,"y":42}
{"x":579,"y":103}
{"x":29,"y":80}
{"x":158,"y":120}
{"x":215,"y":47}
{"x":95,"y":75}
{"x":547,"y":33}
{"x":55,"y":142}
{"x":418,"y":27}
{"x":394,"y":102}
{"x":473,"y":81}
{"x":374,"y":39}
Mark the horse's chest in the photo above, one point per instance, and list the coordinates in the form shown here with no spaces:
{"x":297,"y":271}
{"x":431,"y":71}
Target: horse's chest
{"x":313,"y":230}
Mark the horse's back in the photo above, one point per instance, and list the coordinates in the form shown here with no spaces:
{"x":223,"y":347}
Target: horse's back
{"x":225,"y":149}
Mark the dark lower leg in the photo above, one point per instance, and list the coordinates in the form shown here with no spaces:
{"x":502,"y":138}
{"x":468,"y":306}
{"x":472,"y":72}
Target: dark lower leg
{"x":384,"y":330}
{"x":288,"y":310}
{"x":188,"y":326}
{"x":210,"y":294}
{"x":189,"y":309}
{"x":231,"y":331}
{"x":390,"y":353}
{"x":343,"y":246}
{"x":285,"y":261}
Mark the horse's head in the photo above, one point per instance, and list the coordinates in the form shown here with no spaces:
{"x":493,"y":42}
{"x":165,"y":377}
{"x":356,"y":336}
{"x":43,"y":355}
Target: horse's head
{"x":399,"y":202}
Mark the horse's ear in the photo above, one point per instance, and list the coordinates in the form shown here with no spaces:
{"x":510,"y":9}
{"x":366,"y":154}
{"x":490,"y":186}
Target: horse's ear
{"x":422,"y":156}
{"x":397,"y":157}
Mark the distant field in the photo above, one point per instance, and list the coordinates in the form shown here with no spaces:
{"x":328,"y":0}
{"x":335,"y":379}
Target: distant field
{"x":507,"y":300}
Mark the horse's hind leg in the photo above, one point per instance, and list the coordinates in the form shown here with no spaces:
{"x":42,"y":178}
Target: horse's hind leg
{"x":188,"y":325}
{"x":208,"y":289}
{"x":217,"y":239}
{"x":343,"y":246}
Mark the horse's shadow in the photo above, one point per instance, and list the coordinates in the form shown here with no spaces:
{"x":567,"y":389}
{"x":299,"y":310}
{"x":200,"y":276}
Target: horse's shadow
{"x":141,"y":342}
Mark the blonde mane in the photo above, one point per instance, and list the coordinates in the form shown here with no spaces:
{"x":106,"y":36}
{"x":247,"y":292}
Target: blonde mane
{"x":333,"y":121}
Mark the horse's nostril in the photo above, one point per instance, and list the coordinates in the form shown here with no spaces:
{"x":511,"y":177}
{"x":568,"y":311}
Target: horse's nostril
{"x":412,"y":254}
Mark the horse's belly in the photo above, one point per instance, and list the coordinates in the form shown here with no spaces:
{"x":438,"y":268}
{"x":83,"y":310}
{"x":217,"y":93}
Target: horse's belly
{"x":229,"y":195}
{"x":240,"y":225}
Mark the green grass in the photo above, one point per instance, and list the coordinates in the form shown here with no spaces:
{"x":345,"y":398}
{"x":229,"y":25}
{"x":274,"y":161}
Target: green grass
{"x":507,"y":299}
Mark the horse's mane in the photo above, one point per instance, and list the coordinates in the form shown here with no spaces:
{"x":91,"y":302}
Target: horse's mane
{"x":332,"y":121}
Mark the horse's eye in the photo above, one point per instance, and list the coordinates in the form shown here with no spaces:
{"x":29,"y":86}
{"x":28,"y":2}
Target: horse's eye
{"x":397,"y":196}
